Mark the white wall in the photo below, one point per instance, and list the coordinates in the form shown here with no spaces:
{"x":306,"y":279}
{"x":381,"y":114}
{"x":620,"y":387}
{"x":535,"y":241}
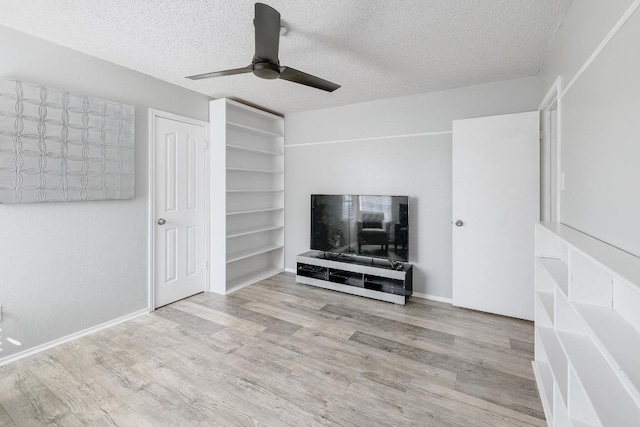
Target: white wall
{"x":585,"y":25}
{"x":65,"y":267}
{"x":600,"y":130}
{"x":384,"y":162}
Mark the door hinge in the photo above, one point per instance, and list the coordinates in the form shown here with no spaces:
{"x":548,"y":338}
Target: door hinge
{"x":206,"y":144}
{"x":206,"y":265}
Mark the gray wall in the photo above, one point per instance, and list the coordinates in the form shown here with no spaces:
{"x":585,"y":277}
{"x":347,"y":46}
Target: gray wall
{"x":600,"y":130}
{"x":65,"y":267}
{"x":385,"y":162}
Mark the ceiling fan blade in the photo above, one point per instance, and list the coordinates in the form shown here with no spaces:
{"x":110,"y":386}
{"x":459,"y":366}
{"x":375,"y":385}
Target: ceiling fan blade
{"x":296,"y":76}
{"x":267,"y":23}
{"x":247,"y":69}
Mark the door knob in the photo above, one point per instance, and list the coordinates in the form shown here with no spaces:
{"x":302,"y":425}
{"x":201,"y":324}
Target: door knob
{"x":458,"y":223}
{"x":162,"y":221}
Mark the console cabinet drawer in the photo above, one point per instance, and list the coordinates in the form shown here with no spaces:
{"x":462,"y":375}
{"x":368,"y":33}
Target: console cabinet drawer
{"x":384,"y":284}
{"x":313,"y":271}
{"x":345,"y":277}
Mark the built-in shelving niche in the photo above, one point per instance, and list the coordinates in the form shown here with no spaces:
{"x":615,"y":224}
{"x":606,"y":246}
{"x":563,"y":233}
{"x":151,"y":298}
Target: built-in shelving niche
{"x":247,"y":193}
{"x":587,"y":334}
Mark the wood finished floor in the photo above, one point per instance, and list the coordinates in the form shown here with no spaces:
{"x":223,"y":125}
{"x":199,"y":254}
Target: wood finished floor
{"x":280,"y":353}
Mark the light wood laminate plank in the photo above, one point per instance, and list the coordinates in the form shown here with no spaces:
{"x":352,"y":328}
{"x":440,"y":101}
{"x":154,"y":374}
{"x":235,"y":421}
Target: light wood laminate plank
{"x":5,"y":419}
{"x":279,"y":353}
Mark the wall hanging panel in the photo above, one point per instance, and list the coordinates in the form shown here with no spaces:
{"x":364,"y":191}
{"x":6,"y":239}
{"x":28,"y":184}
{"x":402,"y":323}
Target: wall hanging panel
{"x":59,"y":146}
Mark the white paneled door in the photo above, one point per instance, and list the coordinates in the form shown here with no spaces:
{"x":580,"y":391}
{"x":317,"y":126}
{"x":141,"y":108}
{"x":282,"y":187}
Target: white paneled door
{"x":496,"y":202}
{"x":179,"y":205}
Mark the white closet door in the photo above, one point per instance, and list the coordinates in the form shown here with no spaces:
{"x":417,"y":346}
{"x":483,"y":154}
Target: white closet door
{"x":496,"y":199}
{"x":179,"y":150}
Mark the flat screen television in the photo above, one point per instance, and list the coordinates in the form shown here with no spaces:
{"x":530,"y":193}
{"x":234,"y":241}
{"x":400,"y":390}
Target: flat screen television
{"x":365,"y":225}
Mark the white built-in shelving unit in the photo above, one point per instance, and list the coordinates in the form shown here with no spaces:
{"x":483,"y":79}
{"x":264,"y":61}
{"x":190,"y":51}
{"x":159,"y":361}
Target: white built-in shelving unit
{"x":587,"y":329}
{"x":247,"y":195}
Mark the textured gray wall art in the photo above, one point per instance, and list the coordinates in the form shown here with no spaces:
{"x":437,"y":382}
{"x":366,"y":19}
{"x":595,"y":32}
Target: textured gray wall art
{"x":57,"y":146}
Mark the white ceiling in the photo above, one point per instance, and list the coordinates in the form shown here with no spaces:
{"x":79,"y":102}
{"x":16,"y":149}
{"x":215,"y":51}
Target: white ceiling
{"x":374,"y":48}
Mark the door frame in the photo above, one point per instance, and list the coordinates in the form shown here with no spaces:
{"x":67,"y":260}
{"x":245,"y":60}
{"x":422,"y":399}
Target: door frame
{"x":553,"y":96}
{"x":153,"y":115}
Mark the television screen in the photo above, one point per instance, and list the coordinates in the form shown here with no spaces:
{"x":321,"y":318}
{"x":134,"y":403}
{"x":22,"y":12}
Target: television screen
{"x":366,"y":225}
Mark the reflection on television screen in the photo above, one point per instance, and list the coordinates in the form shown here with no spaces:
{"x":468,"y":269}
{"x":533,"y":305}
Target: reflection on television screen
{"x":366,"y":225}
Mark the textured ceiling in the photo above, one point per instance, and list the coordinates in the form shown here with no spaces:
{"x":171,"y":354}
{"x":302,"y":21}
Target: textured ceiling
{"x":374,"y":48}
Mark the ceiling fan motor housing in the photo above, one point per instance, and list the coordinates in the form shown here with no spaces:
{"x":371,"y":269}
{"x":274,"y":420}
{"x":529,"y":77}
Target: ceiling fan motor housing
{"x":266,"y":70}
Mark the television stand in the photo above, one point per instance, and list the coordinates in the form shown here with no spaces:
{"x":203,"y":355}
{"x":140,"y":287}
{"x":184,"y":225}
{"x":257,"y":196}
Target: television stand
{"x":356,"y":275}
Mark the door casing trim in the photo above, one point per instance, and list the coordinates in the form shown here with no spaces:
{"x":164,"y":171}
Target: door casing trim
{"x":553,"y":97}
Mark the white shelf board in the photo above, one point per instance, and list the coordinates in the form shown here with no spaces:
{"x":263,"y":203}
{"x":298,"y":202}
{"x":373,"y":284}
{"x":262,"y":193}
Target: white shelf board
{"x":557,"y":360}
{"x":544,"y":379}
{"x":247,"y":231}
{"x":237,"y":256}
{"x":559,"y":272}
{"x":253,"y":130}
{"x":249,"y":278}
{"x":253,"y":110}
{"x":254,"y":211}
{"x":253,"y":150}
{"x":580,"y":407}
{"x":619,"y":262}
{"x":546,"y":298}
{"x":253,"y":170}
{"x":610,"y":399}
{"x":255,"y":191}
{"x":619,"y":343}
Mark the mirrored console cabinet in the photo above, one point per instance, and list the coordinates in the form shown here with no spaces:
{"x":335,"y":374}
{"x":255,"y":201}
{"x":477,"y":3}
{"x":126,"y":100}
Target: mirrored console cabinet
{"x":355,"y":275}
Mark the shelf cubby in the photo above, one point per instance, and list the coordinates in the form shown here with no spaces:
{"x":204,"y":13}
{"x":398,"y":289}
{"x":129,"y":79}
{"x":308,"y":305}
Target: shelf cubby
{"x":240,"y":255}
{"x":243,"y":159}
{"x":247,"y":182}
{"x":589,"y":283}
{"x":544,"y":307}
{"x":543,"y":281}
{"x":560,"y":410}
{"x":254,"y":230}
{"x":253,"y":211}
{"x":626,"y":300}
{"x":252,"y":277}
{"x":565,"y":316}
{"x":558,"y":271}
{"x":557,"y":360}
{"x":611,"y":401}
{"x":261,"y":152}
{"x":579,"y":405}
{"x":261,"y":121}
{"x":619,"y":343}
{"x":254,"y":130}
{"x":547,"y":244}
{"x":544,"y":377}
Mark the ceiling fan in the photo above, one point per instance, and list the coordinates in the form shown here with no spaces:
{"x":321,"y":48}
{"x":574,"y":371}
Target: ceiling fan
{"x":265,"y":62}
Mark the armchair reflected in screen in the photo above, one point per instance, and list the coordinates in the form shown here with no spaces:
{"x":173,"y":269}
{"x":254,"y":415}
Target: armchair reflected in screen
{"x":373,"y":229}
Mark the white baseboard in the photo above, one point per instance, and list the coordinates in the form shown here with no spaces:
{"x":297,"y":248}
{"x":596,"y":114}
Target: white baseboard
{"x":432,"y":297}
{"x":237,"y":288}
{"x":76,"y":335}
{"x":290,"y":270}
